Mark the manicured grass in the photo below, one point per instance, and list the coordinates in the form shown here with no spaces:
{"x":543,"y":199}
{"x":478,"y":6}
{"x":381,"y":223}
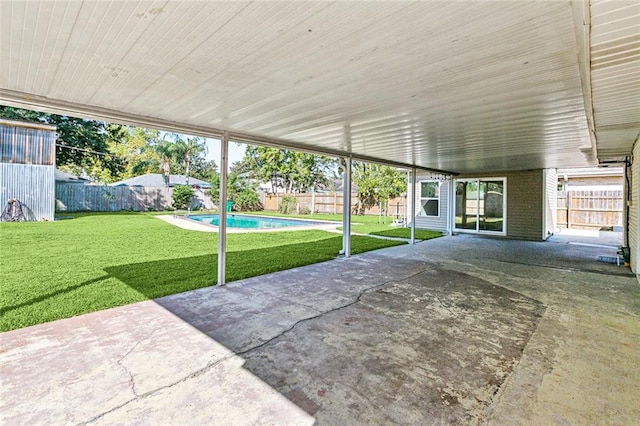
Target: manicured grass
{"x":394,"y":231}
{"x":91,"y":262}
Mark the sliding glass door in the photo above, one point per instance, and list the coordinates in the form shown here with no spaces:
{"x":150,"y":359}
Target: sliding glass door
{"x":481,"y":205}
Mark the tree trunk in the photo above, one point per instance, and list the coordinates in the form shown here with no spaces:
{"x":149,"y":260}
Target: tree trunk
{"x":187,"y":164}
{"x":166,"y":170}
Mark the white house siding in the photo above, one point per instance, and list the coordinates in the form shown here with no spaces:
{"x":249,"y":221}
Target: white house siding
{"x":634,"y":209}
{"x":441,"y":222}
{"x":550,"y":202}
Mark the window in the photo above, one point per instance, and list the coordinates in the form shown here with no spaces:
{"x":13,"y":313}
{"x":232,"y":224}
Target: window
{"x":430,"y":198}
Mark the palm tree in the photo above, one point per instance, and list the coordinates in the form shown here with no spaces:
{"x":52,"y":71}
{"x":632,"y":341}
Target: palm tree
{"x":188,"y":150}
{"x":166,"y":150}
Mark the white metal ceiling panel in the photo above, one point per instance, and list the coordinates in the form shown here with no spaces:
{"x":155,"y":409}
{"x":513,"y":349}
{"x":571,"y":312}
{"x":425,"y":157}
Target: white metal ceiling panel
{"x":615,"y":75}
{"x":459,"y":86}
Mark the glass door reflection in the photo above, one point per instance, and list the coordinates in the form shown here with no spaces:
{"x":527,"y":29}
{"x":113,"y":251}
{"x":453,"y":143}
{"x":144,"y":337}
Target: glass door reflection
{"x":491,"y":206}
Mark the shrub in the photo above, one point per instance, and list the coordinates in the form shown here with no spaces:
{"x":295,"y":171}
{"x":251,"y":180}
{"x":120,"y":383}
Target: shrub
{"x":304,"y":210}
{"x":246,"y":199}
{"x":181,"y":196}
{"x":287,"y":205}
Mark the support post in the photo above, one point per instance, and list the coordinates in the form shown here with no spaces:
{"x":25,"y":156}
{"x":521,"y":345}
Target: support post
{"x":222,"y":208}
{"x":346,"y":208}
{"x":413,"y":205}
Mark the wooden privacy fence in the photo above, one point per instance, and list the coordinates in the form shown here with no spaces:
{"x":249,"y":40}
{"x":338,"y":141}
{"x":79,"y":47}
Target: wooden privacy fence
{"x":590,"y":209}
{"x":330,"y":202}
{"x":96,"y":198}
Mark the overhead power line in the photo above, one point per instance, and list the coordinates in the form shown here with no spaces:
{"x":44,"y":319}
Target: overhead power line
{"x":85,"y":150}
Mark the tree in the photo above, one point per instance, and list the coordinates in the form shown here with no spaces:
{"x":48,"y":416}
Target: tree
{"x":81,"y":145}
{"x":203,"y":169}
{"x":311,"y":171}
{"x":294,"y":171}
{"x":131,"y":145}
{"x":166,"y":151}
{"x":182,"y":196}
{"x":376,"y":184}
{"x":239,"y":190}
{"x":187,"y":151}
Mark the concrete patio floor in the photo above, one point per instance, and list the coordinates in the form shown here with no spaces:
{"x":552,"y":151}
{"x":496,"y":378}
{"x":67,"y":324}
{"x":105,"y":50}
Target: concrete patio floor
{"x":460,"y":329}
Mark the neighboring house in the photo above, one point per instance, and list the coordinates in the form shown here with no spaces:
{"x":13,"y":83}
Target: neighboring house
{"x":27,"y":164}
{"x":591,"y":179}
{"x":513,"y":204}
{"x":157,"y":180}
{"x":65,"y":178}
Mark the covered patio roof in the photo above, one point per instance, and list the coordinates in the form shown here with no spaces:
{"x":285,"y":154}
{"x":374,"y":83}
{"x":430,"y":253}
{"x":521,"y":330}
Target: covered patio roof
{"x":453,"y":86}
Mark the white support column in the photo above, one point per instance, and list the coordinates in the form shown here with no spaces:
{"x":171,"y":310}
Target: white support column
{"x":346,"y":208}
{"x":222,"y":208}
{"x":413,"y":205}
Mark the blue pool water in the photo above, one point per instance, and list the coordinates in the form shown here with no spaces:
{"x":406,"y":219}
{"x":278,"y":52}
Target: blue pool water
{"x":251,"y":222}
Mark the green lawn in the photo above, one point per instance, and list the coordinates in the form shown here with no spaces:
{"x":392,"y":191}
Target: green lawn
{"x":59,"y":269}
{"x":366,"y":225}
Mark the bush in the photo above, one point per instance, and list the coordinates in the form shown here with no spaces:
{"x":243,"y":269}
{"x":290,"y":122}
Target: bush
{"x":240,"y":191}
{"x":246,"y":199}
{"x":304,"y":210}
{"x":287,"y":205}
{"x":181,"y":196}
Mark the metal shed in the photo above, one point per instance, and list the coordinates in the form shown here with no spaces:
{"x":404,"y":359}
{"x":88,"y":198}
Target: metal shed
{"x":27,"y":167}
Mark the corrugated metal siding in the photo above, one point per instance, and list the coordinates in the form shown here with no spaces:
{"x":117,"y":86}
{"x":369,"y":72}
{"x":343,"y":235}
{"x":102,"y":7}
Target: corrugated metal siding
{"x":32,"y":185}
{"x":23,"y":145}
{"x":426,"y":222}
{"x":551,"y":202}
{"x":634,"y":209}
{"x":524,"y":202}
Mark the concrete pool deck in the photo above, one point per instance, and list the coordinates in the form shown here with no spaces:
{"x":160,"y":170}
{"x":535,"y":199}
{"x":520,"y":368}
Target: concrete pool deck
{"x":458,"y":329}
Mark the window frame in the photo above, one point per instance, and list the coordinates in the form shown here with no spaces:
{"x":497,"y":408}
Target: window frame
{"x":439,"y":185}
{"x":503,"y":179}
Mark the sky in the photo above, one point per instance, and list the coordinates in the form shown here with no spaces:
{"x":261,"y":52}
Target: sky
{"x":236,"y":151}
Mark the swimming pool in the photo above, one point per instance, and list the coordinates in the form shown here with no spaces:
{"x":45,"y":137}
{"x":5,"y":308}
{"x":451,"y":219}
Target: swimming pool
{"x":252,"y":222}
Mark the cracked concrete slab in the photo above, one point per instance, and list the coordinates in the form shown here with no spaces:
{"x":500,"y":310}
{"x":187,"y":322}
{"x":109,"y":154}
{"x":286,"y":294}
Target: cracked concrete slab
{"x":432,"y":348}
{"x":454,"y":330}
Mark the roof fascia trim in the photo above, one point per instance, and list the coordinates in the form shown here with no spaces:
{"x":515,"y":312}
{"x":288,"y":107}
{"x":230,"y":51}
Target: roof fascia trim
{"x":40,"y":103}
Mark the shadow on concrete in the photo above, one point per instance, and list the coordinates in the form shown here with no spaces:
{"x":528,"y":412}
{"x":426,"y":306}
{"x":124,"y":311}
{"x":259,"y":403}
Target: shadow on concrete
{"x":364,"y":341}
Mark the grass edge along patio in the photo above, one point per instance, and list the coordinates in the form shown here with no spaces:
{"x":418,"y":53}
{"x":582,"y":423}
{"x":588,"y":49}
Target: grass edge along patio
{"x":91,"y":261}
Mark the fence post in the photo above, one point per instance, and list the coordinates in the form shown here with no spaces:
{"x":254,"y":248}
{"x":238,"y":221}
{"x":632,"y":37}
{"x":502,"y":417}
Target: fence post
{"x":568,"y":209}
